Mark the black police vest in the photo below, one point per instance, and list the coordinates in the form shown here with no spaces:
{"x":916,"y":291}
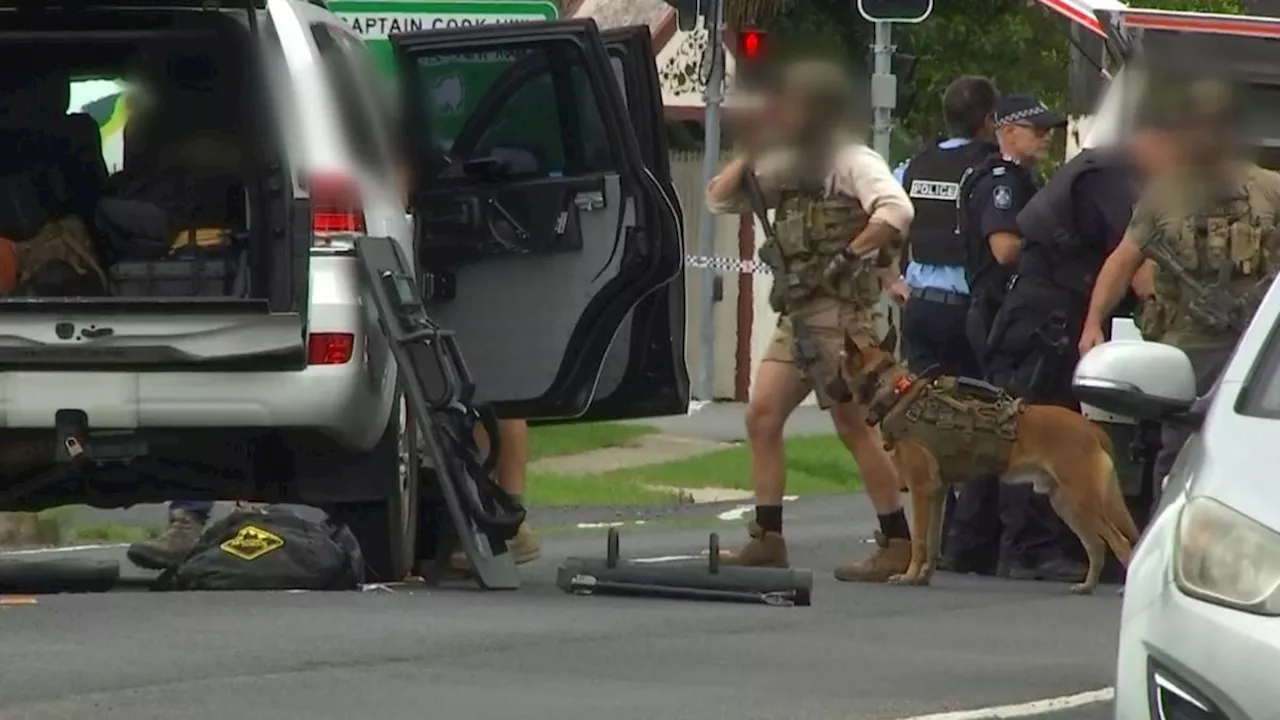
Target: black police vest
{"x":1048,"y":228}
{"x":985,"y":276}
{"x":932,"y":181}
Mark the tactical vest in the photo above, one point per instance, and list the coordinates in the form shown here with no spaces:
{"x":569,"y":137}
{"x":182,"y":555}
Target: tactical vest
{"x":1221,"y":247}
{"x":812,"y":227}
{"x":932,"y":181}
{"x":985,"y":276}
{"x":1047,"y":223}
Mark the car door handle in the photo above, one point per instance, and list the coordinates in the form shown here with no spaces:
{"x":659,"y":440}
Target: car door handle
{"x":589,"y":201}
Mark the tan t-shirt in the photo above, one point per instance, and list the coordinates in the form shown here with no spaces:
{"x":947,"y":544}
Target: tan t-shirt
{"x":857,"y":172}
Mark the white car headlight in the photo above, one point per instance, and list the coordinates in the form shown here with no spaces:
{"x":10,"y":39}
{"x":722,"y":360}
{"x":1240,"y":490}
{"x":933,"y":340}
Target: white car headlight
{"x":1225,"y":558}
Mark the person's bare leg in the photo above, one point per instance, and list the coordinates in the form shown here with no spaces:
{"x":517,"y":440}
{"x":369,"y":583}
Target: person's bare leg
{"x":777,"y":390}
{"x":880,"y":478}
{"x":513,"y":463}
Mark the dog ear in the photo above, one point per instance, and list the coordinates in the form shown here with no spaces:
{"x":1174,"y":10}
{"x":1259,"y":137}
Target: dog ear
{"x":890,"y":341}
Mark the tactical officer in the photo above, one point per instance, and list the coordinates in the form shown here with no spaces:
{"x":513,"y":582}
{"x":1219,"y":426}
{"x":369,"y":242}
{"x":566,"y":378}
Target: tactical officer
{"x":989,"y":521}
{"x":1209,"y":225}
{"x":837,"y":204}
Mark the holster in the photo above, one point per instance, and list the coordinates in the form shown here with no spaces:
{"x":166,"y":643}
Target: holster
{"x":1051,"y":344}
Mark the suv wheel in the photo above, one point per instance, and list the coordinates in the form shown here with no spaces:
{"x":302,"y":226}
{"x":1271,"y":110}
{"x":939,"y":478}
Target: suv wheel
{"x":388,"y":530}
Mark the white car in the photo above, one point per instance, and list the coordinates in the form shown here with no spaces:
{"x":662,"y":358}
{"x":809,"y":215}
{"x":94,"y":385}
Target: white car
{"x":551,"y":245}
{"x":1200,"y":629}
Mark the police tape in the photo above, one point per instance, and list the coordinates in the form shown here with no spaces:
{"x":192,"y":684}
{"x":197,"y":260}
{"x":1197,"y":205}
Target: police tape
{"x":728,"y":265}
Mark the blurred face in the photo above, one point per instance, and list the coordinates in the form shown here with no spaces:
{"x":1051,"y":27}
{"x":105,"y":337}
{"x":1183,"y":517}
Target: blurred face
{"x":1154,"y":150}
{"x":1024,"y":141}
{"x":789,"y":114}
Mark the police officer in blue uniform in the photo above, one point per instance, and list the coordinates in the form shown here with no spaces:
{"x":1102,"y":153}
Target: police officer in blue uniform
{"x":991,"y":520}
{"x":934,"y":317}
{"x":934,"y":288}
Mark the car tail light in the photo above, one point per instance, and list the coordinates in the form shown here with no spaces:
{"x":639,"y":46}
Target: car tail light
{"x":336,"y":208}
{"x":330,"y":348}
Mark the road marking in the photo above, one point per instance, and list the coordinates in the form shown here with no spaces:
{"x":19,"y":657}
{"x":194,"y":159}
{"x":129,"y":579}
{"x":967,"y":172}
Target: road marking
{"x":1028,"y":709}
{"x":69,"y":548}
{"x":741,"y":511}
{"x":591,"y":525}
{"x":667,"y":558}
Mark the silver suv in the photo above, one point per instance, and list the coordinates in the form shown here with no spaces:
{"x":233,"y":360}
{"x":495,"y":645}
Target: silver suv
{"x":542,"y":231}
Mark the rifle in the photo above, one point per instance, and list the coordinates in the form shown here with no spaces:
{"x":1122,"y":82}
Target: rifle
{"x":1214,"y":307}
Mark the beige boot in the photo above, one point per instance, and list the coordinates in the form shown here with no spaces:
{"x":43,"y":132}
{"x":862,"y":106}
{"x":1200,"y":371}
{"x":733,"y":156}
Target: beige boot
{"x":766,"y":548}
{"x":892,"y":556}
{"x":171,"y":547}
{"x":524,"y":548}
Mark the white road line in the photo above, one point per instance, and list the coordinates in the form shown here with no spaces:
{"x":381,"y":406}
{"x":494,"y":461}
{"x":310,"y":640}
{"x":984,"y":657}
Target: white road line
{"x":1028,"y":709}
{"x":667,"y":558}
{"x":68,"y":548}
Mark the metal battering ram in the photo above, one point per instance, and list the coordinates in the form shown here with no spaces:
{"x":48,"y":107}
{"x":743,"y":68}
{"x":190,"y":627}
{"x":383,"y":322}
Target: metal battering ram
{"x":687,"y":580}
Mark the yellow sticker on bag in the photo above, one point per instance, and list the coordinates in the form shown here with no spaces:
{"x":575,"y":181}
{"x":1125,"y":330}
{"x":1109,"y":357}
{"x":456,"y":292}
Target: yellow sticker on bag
{"x":252,"y":543}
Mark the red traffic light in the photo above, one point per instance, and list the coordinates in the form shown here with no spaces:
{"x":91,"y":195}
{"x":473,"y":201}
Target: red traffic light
{"x":751,"y":44}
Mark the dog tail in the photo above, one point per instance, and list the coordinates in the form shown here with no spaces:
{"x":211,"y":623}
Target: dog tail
{"x":1116,"y":511}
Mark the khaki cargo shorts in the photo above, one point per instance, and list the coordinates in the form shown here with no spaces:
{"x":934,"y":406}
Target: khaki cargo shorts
{"x":818,"y":349}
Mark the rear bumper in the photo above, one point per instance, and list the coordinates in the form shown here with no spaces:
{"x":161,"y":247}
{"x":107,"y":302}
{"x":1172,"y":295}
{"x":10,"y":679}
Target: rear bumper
{"x":349,"y":403}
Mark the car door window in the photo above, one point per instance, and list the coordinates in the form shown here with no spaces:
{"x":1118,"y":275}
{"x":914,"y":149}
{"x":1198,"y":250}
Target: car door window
{"x":531,"y":109}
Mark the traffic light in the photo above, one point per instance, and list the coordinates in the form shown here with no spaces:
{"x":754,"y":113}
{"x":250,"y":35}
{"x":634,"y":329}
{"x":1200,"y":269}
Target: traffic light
{"x":752,"y":58}
{"x":903,"y":11}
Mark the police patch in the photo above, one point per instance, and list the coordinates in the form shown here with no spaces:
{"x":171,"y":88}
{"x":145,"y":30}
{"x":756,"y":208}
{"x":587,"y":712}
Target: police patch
{"x":1002,"y":197}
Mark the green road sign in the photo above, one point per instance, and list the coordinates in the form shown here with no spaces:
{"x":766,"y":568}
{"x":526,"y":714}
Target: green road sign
{"x":458,"y":82}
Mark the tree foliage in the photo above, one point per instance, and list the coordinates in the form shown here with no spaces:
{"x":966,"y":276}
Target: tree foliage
{"x":1021,"y":45}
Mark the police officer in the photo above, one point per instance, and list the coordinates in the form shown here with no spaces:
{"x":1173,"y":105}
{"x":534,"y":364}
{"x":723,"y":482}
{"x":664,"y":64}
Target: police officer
{"x":934,"y":288}
{"x":1194,"y":217}
{"x":838,"y":204}
{"x":1068,"y":230}
{"x":989,"y":520}
{"x":933,"y":321}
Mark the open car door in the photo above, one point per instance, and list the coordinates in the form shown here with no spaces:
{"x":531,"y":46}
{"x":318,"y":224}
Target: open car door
{"x":644,"y":373}
{"x":540,"y":229}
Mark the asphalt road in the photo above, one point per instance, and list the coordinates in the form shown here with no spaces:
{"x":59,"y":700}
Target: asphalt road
{"x":860,"y":652}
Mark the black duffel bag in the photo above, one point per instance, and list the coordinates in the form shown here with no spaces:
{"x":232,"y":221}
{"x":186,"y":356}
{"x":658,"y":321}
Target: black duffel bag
{"x":270,"y":549}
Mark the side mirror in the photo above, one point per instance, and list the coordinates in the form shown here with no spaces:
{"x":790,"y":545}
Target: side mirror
{"x":1137,"y":379}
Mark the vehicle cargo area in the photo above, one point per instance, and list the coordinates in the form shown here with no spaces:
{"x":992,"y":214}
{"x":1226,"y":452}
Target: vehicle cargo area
{"x":168,"y":209}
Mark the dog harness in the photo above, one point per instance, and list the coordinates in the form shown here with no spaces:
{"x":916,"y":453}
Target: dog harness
{"x":968,"y":425}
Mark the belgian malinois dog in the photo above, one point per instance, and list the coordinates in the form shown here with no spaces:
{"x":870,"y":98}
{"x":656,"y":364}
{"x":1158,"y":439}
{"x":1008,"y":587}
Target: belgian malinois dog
{"x":978,"y":430}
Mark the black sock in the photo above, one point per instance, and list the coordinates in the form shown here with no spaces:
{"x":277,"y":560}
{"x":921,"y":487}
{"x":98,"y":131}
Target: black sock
{"x":894,"y":525}
{"x":769,"y":517}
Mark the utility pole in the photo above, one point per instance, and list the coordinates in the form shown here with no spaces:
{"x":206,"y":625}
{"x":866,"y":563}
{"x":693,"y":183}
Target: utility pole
{"x":884,"y":84}
{"x":713,"y":95}
{"x":884,"y":87}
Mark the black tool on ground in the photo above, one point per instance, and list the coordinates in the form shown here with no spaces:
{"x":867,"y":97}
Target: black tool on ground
{"x":23,"y":575}
{"x":464,"y":506}
{"x":688,"y":580}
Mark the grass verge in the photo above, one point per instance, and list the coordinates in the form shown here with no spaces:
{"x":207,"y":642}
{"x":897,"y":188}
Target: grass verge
{"x":816,"y":465}
{"x":553,"y":440}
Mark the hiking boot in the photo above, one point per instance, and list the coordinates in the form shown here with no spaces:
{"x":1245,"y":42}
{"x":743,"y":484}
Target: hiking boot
{"x":169,"y":548}
{"x":766,"y":548}
{"x":524,"y":548}
{"x":892,"y":556}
